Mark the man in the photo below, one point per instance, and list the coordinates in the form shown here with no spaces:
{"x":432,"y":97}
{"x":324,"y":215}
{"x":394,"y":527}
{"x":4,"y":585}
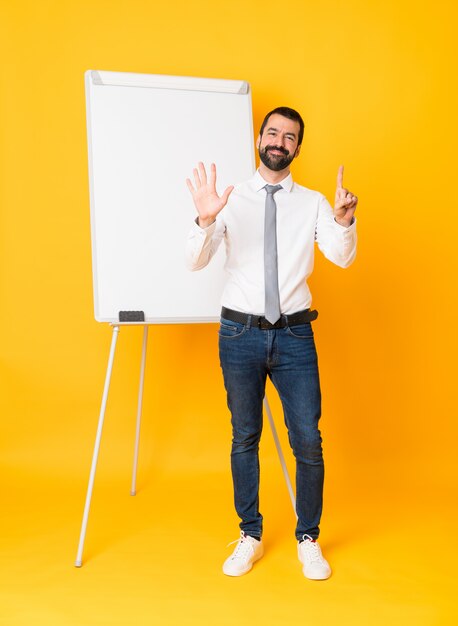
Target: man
{"x":269,"y":225}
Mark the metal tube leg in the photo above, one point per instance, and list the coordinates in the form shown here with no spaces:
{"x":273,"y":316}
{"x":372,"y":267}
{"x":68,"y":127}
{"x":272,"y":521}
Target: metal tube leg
{"x":280,"y":454}
{"x":133,"y":489}
{"x":114,"y":338}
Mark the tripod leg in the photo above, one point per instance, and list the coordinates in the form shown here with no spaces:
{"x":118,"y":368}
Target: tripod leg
{"x":280,"y":454}
{"x":114,"y":338}
{"x":133,"y":489}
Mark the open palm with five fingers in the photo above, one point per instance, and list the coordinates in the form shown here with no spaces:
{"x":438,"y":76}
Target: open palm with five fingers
{"x":345,"y":204}
{"x":206,"y":199}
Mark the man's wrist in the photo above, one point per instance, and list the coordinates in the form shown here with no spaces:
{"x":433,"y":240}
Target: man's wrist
{"x":345,"y":223}
{"x":205,"y":223}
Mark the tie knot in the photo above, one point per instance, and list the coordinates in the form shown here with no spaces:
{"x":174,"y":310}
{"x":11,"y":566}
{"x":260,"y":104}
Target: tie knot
{"x":271,"y":189}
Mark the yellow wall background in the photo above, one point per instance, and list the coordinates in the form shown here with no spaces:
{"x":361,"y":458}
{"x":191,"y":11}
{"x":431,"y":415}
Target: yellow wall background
{"x":376,"y":85}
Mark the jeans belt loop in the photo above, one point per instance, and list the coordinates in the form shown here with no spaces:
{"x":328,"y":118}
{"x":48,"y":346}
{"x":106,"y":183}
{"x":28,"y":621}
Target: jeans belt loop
{"x":248,"y":323}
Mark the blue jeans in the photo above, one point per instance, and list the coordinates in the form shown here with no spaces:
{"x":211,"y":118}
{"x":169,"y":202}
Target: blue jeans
{"x":288,"y":356}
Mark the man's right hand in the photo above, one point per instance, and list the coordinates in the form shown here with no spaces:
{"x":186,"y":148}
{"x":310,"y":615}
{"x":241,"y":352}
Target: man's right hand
{"x":207,"y":201}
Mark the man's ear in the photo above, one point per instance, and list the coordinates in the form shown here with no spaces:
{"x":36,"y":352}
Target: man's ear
{"x":258,"y":142}
{"x":298,"y":149}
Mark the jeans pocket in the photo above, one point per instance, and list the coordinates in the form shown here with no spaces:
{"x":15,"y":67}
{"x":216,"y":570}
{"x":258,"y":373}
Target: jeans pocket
{"x":230,"y":330}
{"x":301,"y":331}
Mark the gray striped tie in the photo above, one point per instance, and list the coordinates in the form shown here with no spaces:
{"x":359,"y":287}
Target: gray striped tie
{"x":272,"y":295}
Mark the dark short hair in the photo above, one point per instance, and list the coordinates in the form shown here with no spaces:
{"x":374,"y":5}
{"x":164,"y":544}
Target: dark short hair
{"x":291,"y":114}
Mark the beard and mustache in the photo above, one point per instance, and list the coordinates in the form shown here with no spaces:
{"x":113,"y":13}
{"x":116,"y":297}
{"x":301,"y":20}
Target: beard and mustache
{"x":275,"y":162}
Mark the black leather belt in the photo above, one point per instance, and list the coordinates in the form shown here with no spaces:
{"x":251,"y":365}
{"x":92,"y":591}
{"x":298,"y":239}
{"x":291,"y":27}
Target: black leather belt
{"x":259,"y":321}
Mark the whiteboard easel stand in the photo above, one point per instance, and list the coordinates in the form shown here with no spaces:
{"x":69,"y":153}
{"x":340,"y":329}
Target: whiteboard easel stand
{"x":133,"y":491}
{"x":280,"y":454}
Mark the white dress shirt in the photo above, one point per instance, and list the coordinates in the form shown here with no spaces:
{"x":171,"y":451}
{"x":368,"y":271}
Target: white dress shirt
{"x":303,"y":217}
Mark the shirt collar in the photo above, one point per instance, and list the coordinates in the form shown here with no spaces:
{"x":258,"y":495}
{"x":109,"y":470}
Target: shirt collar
{"x":259,"y":183}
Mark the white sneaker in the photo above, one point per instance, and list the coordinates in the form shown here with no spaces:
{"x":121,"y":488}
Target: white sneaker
{"x":247,"y":551}
{"x":314,"y":564}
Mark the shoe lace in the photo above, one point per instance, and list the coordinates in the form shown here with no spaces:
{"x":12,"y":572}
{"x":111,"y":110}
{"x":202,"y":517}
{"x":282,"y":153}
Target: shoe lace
{"x":243,"y":549}
{"x":312,"y":549}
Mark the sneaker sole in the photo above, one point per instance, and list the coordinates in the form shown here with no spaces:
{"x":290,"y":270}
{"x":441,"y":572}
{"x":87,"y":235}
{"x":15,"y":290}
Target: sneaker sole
{"x":315,"y":577}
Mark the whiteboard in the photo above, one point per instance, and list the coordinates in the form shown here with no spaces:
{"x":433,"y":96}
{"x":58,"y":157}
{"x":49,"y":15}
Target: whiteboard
{"x":145,"y":135}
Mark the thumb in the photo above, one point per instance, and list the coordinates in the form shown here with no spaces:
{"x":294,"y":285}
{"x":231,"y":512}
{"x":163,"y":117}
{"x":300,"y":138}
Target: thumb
{"x":227,"y":193}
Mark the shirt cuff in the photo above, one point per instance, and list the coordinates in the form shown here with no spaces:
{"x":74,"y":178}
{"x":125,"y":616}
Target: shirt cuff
{"x":352,"y":225}
{"x":208,"y":231}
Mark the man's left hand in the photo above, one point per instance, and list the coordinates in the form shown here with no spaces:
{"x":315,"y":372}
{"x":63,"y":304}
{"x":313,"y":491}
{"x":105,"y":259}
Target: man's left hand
{"x":345,"y":204}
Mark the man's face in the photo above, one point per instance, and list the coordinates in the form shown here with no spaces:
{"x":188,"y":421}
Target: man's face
{"x":278,"y":145}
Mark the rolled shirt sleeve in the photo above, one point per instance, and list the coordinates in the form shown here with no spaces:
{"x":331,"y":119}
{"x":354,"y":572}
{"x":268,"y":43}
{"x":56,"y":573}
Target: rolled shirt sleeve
{"x":202,"y":243}
{"x":336,"y":242}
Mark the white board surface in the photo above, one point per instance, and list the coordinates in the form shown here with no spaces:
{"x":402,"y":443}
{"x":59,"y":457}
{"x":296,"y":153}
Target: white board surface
{"x":145,"y":135}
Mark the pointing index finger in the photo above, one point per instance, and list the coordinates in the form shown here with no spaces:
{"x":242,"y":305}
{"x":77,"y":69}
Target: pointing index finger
{"x":340,"y":177}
